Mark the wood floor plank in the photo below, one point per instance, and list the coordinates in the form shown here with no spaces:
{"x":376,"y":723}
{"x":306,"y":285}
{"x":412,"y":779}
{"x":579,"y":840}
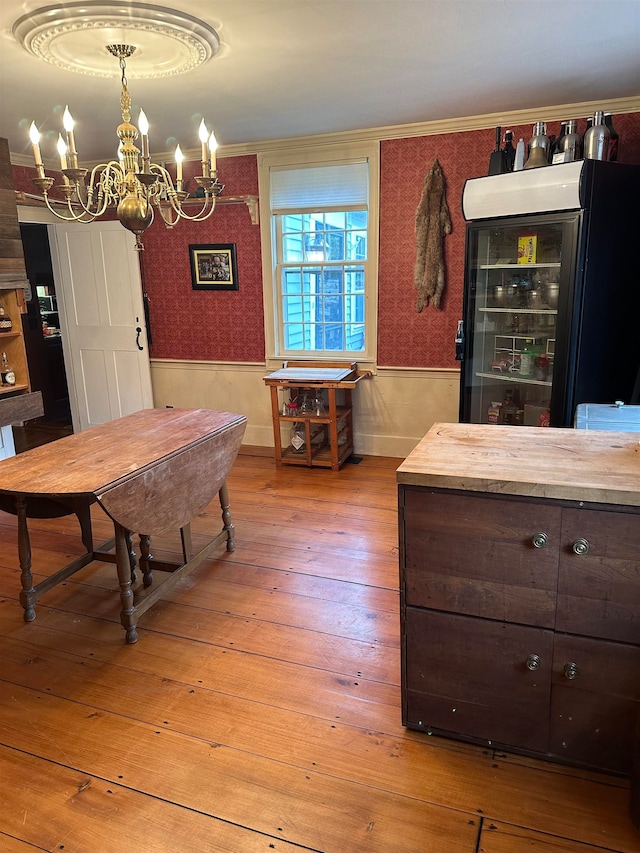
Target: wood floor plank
{"x":244,"y":496}
{"x":225,"y":570}
{"x":502,"y":838}
{"x":300,"y":806}
{"x":15,"y":845}
{"x":359,"y":701}
{"x":47,"y":806}
{"x":332,"y":749}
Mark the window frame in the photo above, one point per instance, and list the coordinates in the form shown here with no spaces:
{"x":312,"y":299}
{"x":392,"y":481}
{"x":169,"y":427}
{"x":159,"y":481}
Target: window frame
{"x":326,"y":155}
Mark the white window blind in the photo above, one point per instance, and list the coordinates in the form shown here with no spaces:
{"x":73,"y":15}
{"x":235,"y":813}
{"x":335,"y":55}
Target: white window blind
{"x":320,"y":187}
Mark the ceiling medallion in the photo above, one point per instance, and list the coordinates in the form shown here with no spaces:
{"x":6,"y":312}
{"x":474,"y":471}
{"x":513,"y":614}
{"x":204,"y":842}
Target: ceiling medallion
{"x":72,"y":37}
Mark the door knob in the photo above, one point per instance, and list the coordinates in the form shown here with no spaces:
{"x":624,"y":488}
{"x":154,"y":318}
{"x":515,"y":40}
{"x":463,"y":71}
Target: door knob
{"x":540,"y":540}
{"x":580,"y":547}
{"x":571,"y":670}
{"x":533,"y":662}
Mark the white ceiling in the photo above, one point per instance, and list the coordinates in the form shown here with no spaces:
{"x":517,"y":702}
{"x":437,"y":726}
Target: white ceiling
{"x":301,"y":67}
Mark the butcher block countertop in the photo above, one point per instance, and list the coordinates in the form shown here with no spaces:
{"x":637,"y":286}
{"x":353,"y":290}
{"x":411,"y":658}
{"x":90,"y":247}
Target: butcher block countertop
{"x":568,"y":464}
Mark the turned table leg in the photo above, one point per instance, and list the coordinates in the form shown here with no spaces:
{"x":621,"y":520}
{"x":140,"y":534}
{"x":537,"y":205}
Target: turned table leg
{"x":146,"y":559}
{"x":223,"y":495}
{"x":28,"y":595}
{"x":128,"y":612}
{"x":132,"y":556}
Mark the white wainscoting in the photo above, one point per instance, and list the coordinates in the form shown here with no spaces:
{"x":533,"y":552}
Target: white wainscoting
{"x":393,"y":409}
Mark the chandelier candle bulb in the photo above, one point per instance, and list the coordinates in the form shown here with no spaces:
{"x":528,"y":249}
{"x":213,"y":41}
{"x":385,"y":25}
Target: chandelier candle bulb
{"x":34,"y":136}
{"x":62,"y":151}
{"x":203,"y":133}
{"x":68,"y":123}
{"x":213,"y":146}
{"x":143,"y":127}
{"x":179,"y":158}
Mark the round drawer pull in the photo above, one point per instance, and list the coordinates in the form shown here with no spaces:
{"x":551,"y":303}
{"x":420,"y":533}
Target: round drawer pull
{"x":540,"y":540}
{"x":533,"y":662}
{"x":571,"y":671}
{"x":580,"y":547}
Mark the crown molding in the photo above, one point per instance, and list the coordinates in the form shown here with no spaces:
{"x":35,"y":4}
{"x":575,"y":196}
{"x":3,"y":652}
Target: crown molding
{"x":558,"y":112}
{"x":431,"y":128}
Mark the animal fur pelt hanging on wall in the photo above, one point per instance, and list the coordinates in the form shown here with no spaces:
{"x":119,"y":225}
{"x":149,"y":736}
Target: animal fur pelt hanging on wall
{"x":433,"y":223}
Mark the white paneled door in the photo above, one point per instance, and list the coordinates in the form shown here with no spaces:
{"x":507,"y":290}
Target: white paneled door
{"x":102,"y":321}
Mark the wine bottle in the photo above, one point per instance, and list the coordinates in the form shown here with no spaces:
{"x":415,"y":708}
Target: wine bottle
{"x":572,"y":142}
{"x":519,"y":161}
{"x":557,"y":150}
{"x":596,"y":139}
{"x":497,"y":162}
{"x":613,"y":138}
{"x":508,"y":150}
{"x":6,"y":374}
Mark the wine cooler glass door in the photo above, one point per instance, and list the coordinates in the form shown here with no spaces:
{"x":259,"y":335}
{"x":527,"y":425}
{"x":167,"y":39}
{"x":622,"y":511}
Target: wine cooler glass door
{"x":513,"y":286}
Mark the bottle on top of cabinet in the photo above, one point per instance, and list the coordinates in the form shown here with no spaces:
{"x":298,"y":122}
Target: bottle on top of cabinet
{"x":518,"y":163}
{"x":538,"y":147}
{"x":568,"y":146}
{"x":613,"y":138}
{"x":508,"y":150}
{"x":596,"y":139}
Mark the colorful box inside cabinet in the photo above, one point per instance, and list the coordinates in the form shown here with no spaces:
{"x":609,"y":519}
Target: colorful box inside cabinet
{"x":536,"y":415}
{"x":527,"y":249}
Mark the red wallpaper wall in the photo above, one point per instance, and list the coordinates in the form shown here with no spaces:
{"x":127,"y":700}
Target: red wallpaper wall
{"x":207,"y":325}
{"x":406,"y":338}
{"x":229,"y":325}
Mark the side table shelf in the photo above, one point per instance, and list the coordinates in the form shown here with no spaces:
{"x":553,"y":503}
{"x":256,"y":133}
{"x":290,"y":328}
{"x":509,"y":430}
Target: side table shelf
{"x":328,"y":435}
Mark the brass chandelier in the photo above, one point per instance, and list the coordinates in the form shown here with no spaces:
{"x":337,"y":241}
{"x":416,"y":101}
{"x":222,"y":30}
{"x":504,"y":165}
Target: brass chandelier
{"x":132,"y":184}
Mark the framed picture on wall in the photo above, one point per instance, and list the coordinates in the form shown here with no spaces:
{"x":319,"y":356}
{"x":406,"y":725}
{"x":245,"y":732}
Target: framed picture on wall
{"x":214,"y":266}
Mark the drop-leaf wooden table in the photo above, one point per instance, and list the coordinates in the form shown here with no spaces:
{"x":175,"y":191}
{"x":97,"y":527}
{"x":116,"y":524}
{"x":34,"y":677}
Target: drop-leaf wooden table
{"x":151,"y":471}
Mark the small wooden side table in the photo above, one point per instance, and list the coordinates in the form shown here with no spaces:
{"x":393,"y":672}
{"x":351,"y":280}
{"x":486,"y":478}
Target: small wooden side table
{"x":329,"y":433}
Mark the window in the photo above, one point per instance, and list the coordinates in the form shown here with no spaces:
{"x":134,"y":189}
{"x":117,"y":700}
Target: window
{"x":322,"y":258}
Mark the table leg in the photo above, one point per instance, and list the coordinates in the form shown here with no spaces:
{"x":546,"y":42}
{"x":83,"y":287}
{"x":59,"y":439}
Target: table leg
{"x":84,"y":517}
{"x":132,"y":556}
{"x":146,"y":559}
{"x":127,"y":614}
{"x":185,"y":538}
{"x":223,"y":495}
{"x":28,"y":594}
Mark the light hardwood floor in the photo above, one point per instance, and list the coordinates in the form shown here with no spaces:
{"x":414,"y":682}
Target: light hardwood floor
{"x":260,"y":708}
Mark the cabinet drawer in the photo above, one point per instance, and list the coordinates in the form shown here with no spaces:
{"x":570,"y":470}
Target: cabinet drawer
{"x":599,"y":591}
{"x":474,"y":555}
{"x":594,"y":713}
{"x":469,"y":677}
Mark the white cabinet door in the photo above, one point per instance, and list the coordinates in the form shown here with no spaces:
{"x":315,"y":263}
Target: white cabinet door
{"x":102,"y":321}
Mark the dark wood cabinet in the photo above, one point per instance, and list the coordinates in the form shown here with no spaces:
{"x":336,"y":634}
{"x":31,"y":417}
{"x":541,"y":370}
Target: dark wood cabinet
{"x":521,"y":621}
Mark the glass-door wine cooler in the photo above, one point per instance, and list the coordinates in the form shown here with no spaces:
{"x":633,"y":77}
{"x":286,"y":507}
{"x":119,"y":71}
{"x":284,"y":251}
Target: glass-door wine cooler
{"x":549,"y":299}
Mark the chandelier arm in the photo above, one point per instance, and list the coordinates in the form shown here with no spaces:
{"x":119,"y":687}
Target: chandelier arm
{"x":85,"y":216}
{"x":204,"y":213}
{"x":163,"y":207}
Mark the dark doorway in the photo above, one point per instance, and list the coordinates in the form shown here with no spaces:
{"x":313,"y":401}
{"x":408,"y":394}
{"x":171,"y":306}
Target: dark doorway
{"x":43,"y":343}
